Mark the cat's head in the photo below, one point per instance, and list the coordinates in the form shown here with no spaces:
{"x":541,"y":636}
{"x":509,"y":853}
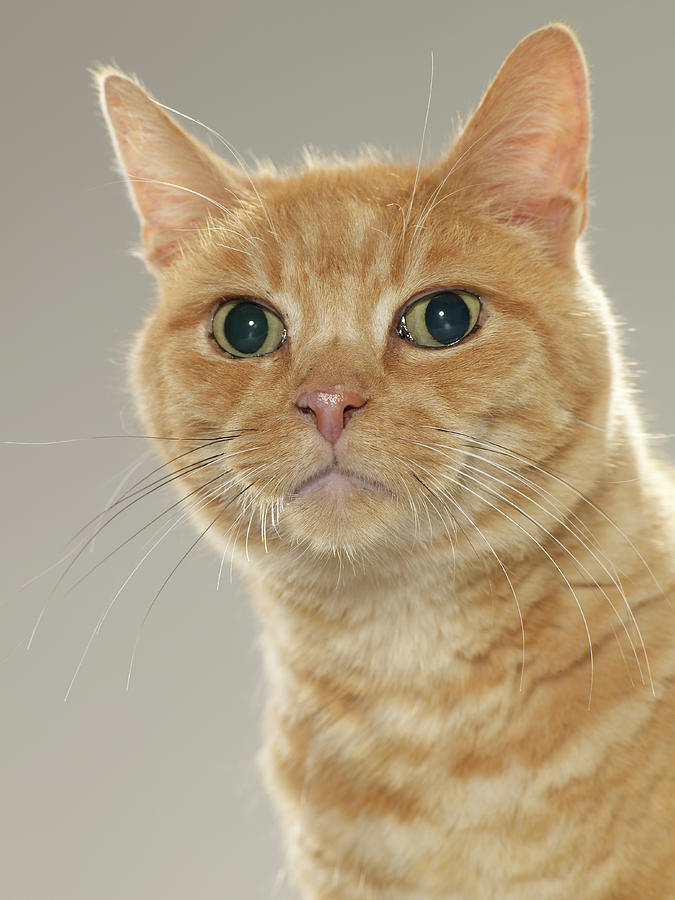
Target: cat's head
{"x":351,"y":343}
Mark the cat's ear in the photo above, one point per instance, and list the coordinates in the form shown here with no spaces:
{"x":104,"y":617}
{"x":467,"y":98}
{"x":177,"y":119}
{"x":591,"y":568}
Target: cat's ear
{"x":523,"y":155}
{"x":175,"y":182}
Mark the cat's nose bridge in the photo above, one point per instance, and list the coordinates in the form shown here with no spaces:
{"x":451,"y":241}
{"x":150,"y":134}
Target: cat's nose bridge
{"x":330,"y":407}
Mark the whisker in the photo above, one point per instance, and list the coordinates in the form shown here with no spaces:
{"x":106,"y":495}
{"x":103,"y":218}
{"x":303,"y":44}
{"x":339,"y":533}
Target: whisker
{"x":97,"y":437}
{"x":465,"y":187}
{"x":105,"y":558}
{"x":493,"y":447}
{"x":237,"y":156}
{"x":565,"y":511}
{"x":185,"y":470}
{"x":461,"y":471}
{"x":246,"y":473}
{"x":459,"y":162}
{"x":499,"y":562}
{"x":168,"y":578}
{"x":115,"y":494}
{"x":613,"y":574}
{"x":406,"y":219}
{"x":560,"y":572}
{"x":553,"y":562}
{"x":202,"y":464}
{"x":413,"y":508}
{"x":597,"y":584}
{"x":274,"y":505}
{"x":458,"y":524}
{"x":451,"y":537}
{"x":426,"y":510}
{"x":221,"y":438}
{"x":160,"y":515}
{"x":196,"y":507}
{"x":268,"y":508}
{"x":220,"y":571}
{"x":252,"y":505}
{"x":144,"y":491}
{"x":80,"y":548}
{"x":137,"y":179}
{"x":586,"y":572}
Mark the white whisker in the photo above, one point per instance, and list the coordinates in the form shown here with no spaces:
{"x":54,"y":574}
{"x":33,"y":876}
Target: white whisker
{"x":462,"y":472}
{"x":151,"y":605}
{"x":194,"y":508}
{"x":499,"y":562}
{"x":497,"y":448}
{"x":419,"y":158}
{"x":235,"y":153}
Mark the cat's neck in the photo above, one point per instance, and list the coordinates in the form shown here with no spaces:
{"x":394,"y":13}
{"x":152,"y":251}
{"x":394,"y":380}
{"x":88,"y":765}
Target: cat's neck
{"x":433,"y":613}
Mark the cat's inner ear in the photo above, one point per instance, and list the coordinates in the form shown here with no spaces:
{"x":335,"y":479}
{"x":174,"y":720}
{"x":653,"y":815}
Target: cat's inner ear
{"x":176,"y":183}
{"x":523,"y":155}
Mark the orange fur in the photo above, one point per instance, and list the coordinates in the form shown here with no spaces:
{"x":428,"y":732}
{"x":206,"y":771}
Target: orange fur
{"x":470,"y":648}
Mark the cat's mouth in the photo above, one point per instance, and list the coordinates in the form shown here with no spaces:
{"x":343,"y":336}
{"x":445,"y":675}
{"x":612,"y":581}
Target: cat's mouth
{"x":336,"y":482}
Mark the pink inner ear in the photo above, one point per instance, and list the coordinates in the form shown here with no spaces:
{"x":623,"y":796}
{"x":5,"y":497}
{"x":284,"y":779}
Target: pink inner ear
{"x":163,"y":245}
{"x":175,"y":182}
{"x":523,"y":154}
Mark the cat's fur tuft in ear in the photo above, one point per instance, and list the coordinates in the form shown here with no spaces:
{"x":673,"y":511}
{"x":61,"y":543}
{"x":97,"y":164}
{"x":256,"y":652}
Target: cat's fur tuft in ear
{"x":175,"y":182}
{"x":523,"y":155}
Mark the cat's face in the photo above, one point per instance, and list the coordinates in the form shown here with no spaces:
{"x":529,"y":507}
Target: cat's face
{"x":350,"y":432}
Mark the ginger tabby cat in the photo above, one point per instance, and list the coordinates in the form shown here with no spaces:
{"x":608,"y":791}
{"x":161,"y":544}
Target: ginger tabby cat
{"x":408,"y":424}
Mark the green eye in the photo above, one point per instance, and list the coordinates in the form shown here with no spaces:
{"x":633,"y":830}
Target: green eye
{"x":244,"y":328}
{"x":440,"y":319}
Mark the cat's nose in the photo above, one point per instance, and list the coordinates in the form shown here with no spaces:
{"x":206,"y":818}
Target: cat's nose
{"x":331,"y":408}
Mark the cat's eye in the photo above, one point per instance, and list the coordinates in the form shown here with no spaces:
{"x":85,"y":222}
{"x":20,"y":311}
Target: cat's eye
{"x":440,"y":318}
{"x":245,"y":328}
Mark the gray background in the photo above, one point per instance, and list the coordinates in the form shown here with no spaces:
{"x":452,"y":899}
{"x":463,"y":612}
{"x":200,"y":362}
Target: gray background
{"x":154,"y":793}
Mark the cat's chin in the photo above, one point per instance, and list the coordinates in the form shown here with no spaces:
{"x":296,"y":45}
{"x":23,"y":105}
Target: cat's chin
{"x":335,"y":509}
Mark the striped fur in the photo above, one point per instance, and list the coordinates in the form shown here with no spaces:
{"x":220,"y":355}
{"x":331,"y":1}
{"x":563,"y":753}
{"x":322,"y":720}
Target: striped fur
{"x":470,"y":654}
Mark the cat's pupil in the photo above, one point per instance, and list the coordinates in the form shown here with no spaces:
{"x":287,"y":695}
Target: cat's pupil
{"x":246,"y":327}
{"x":447,"y":317}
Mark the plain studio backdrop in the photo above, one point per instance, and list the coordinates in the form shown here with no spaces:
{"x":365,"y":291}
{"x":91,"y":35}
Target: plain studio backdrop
{"x":153,"y":794}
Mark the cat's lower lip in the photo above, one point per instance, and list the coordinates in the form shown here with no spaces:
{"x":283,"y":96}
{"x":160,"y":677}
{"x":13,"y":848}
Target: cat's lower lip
{"x":337,"y":481}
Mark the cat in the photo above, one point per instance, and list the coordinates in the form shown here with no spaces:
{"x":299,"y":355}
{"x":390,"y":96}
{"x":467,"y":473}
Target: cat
{"x":408,"y":423}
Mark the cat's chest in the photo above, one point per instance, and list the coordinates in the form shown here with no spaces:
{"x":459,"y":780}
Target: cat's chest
{"x":391,"y":795}
{"x":458,"y":784}
{"x":409,"y":790}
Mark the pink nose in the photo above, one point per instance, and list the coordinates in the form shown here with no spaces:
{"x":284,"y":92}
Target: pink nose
{"x":331,"y":408}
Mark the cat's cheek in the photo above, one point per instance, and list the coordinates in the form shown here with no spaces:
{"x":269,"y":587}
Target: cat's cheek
{"x":143,"y":383}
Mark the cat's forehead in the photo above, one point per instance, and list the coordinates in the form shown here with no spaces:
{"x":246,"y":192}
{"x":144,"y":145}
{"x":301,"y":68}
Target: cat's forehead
{"x":344,"y":221}
{"x":342,"y":238}
{"x":343,"y":248}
